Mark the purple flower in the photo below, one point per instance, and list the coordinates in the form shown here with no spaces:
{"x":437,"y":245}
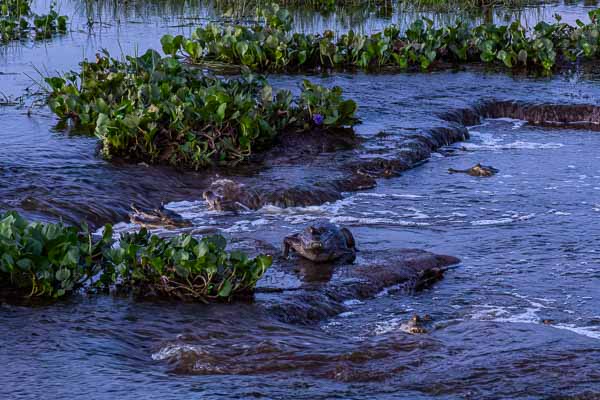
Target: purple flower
{"x":318,"y":119}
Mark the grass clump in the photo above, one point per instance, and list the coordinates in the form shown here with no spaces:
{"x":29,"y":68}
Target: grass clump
{"x":157,"y":110}
{"x":47,"y":260}
{"x":271,"y":46}
{"x":323,"y":6}
{"x":379,"y":7}
{"x":17,"y":21}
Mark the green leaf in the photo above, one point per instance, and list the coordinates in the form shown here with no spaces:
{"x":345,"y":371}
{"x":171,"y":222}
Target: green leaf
{"x":107,"y":233}
{"x":218,"y":241}
{"x":505,"y":58}
{"x":182,"y":271}
{"x":63,"y":274}
{"x":225,"y":289}
{"x":6,"y":226}
{"x":193,"y":49}
{"x":102,"y":123}
{"x":431,"y":55}
{"x":168,"y":44}
{"x":264,"y":262}
{"x":241,"y":48}
{"x":187,"y":239}
{"x":8,"y":260}
{"x":221,"y":111}
{"x":267,"y":94}
{"x":238,"y":256}
{"x":331,"y":120}
{"x":25,"y":264}
{"x":301,"y":57}
{"x":348,"y":108}
{"x":72,"y":257}
{"x":55,"y":83}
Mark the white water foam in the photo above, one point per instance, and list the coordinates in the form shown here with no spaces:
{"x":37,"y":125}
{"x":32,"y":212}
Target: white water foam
{"x":518,"y":145}
{"x":500,"y":221}
{"x":390,"y":195}
{"x":488,"y":312}
{"x":386,"y":291}
{"x":589,"y":331}
{"x":504,"y":220}
{"x":529,"y":315}
{"x":387,"y":326}
{"x":353,"y":302}
{"x":516,"y":123}
{"x":346,"y":314}
{"x":349,"y":220}
{"x":510,"y":120}
{"x":176,"y":350}
{"x":563,"y":213}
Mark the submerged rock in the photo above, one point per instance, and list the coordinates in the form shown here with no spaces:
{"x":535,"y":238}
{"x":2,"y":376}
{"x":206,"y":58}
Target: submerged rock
{"x":322,"y":242}
{"x":291,"y":145}
{"x":568,"y":116}
{"x":228,"y":195}
{"x":299,"y":196}
{"x":574,"y":116}
{"x":476,"y":170}
{"x":291,"y":299}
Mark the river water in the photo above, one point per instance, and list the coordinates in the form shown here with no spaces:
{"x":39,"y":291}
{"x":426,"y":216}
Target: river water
{"x":519,"y":317}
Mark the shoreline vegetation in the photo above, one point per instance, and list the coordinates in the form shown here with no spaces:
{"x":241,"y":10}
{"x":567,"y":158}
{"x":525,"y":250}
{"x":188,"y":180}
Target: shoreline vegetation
{"x":45,"y":260}
{"x":19,"y":22}
{"x":271,"y":46}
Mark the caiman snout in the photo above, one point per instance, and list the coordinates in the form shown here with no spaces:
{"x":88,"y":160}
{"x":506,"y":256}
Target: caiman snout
{"x":316,"y":245}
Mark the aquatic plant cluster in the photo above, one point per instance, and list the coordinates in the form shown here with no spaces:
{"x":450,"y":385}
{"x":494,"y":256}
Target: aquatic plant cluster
{"x":17,"y":21}
{"x":272,"y":46}
{"x":158,"y":110}
{"x":53,"y":260}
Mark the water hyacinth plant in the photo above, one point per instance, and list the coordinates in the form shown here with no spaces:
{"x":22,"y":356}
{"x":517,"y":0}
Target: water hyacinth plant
{"x":17,"y":21}
{"x":158,"y":110}
{"x":53,"y":260}
{"x":271,"y":45}
{"x":182,"y":267}
{"x":47,"y":260}
{"x":326,"y":107}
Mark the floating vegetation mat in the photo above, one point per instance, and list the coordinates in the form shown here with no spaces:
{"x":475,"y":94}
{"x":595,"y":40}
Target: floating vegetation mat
{"x":272,"y":46}
{"x":158,"y":110}
{"x":18,"y":22}
{"x":53,"y":260}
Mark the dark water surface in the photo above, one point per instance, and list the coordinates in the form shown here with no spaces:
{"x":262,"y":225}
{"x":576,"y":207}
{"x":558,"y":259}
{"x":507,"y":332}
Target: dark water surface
{"x":528,"y":239}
